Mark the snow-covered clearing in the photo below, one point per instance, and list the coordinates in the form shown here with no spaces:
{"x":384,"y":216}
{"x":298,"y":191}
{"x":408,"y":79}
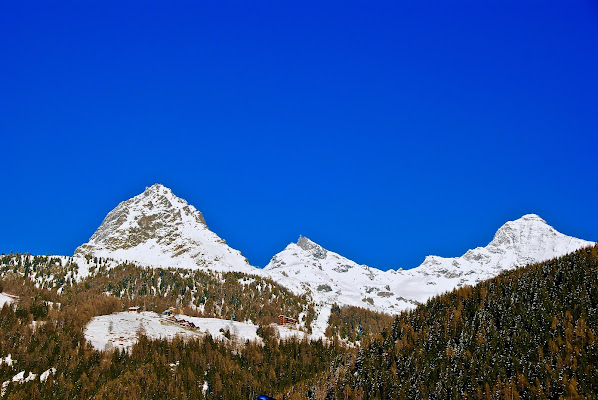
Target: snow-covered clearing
{"x":6,"y":298}
{"x":120,"y":330}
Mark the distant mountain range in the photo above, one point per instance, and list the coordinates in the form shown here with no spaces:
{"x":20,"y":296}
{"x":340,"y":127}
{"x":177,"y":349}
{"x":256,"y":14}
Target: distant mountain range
{"x":156,"y":228}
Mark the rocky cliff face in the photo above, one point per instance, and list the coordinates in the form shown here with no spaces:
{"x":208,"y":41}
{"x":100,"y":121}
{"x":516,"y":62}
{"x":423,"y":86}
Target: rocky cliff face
{"x":159,"y":229}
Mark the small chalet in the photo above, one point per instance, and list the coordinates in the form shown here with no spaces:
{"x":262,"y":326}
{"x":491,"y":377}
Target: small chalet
{"x":134,"y":309}
{"x":286,"y":321}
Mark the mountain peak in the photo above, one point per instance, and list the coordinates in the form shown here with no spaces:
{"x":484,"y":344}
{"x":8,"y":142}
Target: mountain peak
{"x":528,"y":229}
{"x":526,"y":240}
{"x":313,"y":248}
{"x":158,"y":228}
{"x":531,"y":217}
{"x":157,"y":188}
{"x":330,"y":278}
{"x":304,"y":242}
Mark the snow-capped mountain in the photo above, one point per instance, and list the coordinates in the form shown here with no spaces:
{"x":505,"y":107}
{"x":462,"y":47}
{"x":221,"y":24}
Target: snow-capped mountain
{"x":328,"y":278}
{"x":157,"y":228}
{"x":307,"y":267}
{"x":526,"y":240}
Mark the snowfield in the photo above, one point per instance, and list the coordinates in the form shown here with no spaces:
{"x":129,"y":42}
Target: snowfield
{"x":120,"y":330}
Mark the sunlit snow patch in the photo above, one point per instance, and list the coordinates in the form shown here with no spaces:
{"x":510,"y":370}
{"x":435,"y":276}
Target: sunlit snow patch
{"x":6,"y":298}
{"x":122,"y":329}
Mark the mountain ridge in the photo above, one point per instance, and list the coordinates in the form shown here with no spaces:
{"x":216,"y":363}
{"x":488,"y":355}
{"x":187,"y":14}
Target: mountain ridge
{"x":156,"y":228}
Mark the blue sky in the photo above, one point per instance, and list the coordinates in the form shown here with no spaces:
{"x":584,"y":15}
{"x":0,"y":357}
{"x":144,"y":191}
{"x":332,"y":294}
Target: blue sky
{"x":385,"y":131}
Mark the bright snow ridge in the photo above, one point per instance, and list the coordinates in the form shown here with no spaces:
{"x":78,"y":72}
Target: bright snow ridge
{"x":527,"y":240}
{"x":329,"y":277}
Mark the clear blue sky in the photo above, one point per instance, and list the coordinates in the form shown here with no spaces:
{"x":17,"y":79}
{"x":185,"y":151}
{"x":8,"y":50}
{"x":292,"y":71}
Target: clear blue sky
{"x":385,"y":131}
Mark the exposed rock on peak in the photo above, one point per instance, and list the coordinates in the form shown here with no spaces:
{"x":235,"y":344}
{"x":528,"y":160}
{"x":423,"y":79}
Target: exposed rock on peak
{"x":158,"y":228}
{"x":315,"y":249}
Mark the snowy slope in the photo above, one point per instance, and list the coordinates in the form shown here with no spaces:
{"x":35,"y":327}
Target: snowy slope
{"x":306,"y":267}
{"x":328,"y":277}
{"x":526,"y":240}
{"x":159,"y":229}
{"x":120,"y":330}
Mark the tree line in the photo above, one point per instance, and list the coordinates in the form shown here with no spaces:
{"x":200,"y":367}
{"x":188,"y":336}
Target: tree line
{"x":44,"y":328}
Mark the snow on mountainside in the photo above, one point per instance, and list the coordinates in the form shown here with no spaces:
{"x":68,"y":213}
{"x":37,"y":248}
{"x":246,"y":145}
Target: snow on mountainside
{"x":328,"y":277}
{"x":526,"y":240}
{"x":159,"y":229}
{"x":120,"y":330}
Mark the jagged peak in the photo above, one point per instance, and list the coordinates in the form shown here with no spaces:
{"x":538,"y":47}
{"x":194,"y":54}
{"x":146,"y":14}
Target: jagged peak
{"x":158,"y":189}
{"x":305,"y":242}
{"x":156,"y":227}
{"x":160,"y":197}
{"x":315,"y":249}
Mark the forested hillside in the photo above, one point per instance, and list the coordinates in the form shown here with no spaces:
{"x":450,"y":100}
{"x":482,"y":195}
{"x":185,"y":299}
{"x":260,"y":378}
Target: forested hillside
{"x":227,"y":295}
{"x":353,"y":324}
{"x":44,"y":354}
{"x":528,"y":333}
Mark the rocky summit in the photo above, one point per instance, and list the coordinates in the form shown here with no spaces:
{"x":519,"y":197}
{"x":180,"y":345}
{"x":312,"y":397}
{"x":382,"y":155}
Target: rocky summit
{"x":157,"y":228}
